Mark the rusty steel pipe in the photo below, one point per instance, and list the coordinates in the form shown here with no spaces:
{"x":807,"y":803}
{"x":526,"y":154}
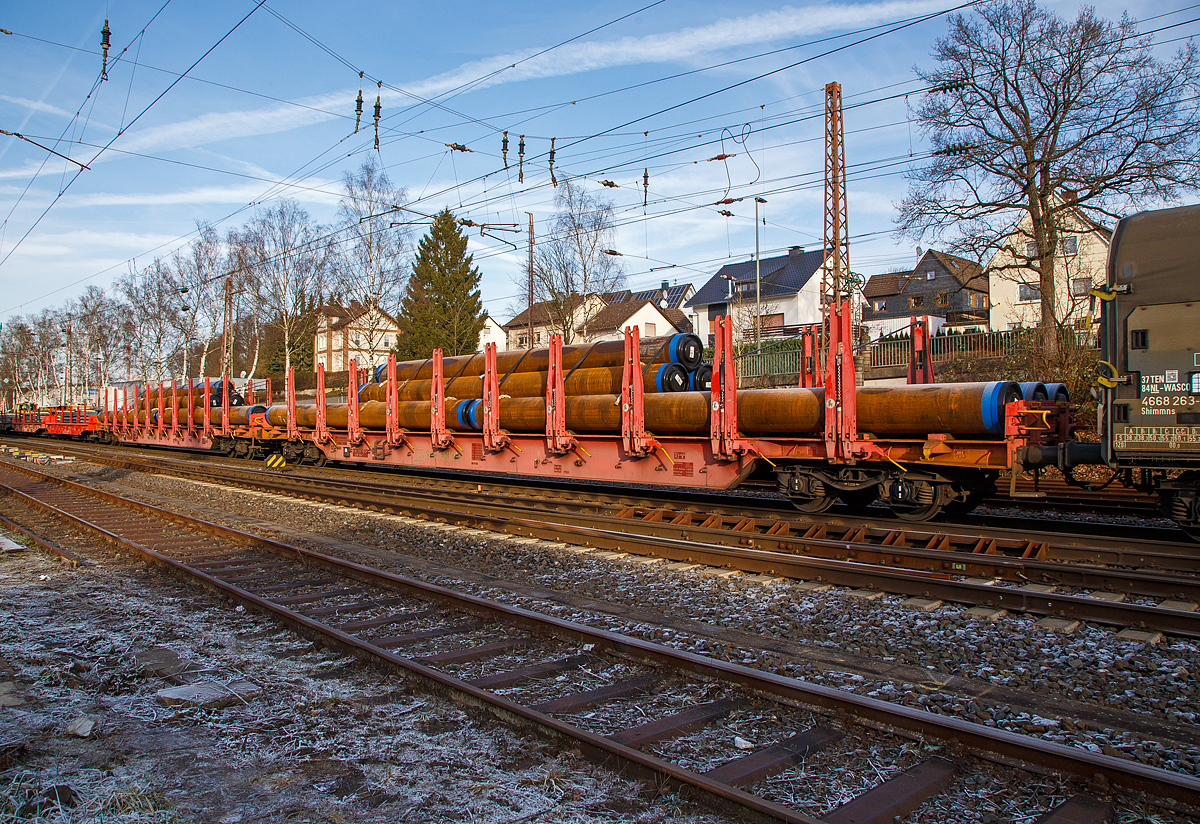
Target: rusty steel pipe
{"x":685,"y":349}
{"x":951,"y":408}
{"x":966,"y":409}
{"x":658,"y":377}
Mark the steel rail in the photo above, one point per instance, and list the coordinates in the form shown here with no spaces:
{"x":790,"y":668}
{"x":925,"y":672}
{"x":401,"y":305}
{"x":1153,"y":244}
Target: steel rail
{"x":1087,"y":542}
{"x":802,"y":557}
{"x":982,"y":741}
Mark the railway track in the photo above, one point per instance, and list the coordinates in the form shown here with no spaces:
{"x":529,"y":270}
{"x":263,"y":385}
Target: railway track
{"x":1061,"y":577}
{"x":621,"y":700}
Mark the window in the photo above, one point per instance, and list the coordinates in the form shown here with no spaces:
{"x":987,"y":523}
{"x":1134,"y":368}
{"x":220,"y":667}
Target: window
{"x":943,"y":299}
{"x":1068,"y":246}
{"x":879,"y":306}
{"x":651,"y":330}
{"x":916,"y":301}
{"x":387,"y":342}
{"x":1028,"y":292}
{"x":522,"y":341}
{"x":930,"y":275}
{"x":1031,"y":251}
{"x":1080,"y":287}
{"x":356,"y":341}
{"x":746,"y":287}
{"x":772,"y":321}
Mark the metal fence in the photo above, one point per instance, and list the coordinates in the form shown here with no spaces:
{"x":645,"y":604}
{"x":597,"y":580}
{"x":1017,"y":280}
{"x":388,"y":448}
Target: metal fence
{"x":894,"y":352}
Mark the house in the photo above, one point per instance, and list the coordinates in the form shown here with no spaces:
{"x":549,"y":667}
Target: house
{"x":666,"y":295}
{"x":649,"y":316}
{"x":950,"y":290}
{"x":790,"y":294}
{"x":597,"y":320}
{"x":540,"y":320}
{"x":492,"y":332}
{"x":1080,"y":264}
{"x":364,"y":334}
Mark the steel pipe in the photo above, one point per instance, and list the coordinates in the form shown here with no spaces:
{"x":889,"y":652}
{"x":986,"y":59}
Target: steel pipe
{"x":660,"y":377}
{"x":685,"y":349}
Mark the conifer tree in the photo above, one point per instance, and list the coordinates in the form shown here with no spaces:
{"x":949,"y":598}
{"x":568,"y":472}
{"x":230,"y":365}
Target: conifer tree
{"x":442,"y":307}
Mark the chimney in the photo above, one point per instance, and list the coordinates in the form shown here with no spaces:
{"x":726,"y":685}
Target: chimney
{"x":666,"y":286}
{"x":795,"y":251}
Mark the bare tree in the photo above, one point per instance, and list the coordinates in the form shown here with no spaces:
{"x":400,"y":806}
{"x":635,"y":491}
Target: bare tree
{"x":152,"y":318}
{"x":1037,"y":124}
{"x":96,"y":337}
{"x":287,"y":260}
{"x":371,"y":266}
{"x":197,"y":271}
{"x":571,"y":267}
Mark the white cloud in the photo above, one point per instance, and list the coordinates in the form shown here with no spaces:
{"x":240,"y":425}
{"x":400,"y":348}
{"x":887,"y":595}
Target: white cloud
{"x":36,"y":105}
{"x":784,"y":23}
{"x":240,"y":193}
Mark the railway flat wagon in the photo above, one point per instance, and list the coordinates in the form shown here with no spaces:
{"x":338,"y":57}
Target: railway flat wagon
{"x":59,"y":421}
{"x":917,"y":448}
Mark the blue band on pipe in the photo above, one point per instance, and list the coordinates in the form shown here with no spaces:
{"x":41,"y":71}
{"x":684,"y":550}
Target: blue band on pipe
{"x":990,"y":410}
{"x":458,"y":413}
{"x":361,"y":388}
{"x":673,"y":349}
{"x":472,"y":417}
{"x":658,"y":376}
{"x":379,"y":370}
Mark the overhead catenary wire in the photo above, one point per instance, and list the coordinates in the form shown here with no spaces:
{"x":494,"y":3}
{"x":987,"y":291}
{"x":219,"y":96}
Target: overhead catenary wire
{"x":645,"y":191}
{"x":149,"y":106}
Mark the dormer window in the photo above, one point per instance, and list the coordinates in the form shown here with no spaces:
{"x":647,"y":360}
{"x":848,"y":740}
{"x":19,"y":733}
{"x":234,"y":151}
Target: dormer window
{"x":879,"y":306}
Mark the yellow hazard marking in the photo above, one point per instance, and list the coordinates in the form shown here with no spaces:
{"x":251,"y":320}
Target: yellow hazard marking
{"x":276,"y":462}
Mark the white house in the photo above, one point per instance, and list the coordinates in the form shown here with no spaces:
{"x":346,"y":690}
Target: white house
{"x":1080,"y":263}
{"x":790,"y":294}
{"x":598,"y":321}
{"x":360,"y":333}
{"x":492,"y":332}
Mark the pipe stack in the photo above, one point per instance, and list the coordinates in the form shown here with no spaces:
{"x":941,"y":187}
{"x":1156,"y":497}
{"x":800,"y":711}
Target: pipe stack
{"x":590,"y":369}
{"x":960,"y":409}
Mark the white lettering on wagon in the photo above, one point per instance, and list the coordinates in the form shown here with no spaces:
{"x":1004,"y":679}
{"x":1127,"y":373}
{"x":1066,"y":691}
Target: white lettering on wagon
{"x":1170,"y":435}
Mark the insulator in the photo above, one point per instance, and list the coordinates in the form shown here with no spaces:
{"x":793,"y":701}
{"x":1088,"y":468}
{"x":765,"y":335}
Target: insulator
{"x":553,"y":182}
{"x":378,"y":108}
{"x":504,"y":149}
{"x":645,"y":187}
{"x":725,"y":212}
{"x":358,"y":110}
{"x":521,"y":160}
{"x":608,"y":184}
{"x":105,"y":42}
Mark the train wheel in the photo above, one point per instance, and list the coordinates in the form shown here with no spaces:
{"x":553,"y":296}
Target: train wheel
{"x":320,"y":460}
{"x":808,"y":494}
{"x":918,"y":500}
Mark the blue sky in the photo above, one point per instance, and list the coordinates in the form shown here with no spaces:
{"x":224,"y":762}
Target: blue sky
{"x":269,"y":113}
